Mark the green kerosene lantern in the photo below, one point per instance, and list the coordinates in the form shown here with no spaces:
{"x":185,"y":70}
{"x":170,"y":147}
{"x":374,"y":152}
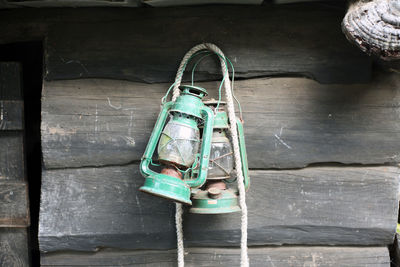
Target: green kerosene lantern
{"x":177,"y":136}
{"x":216,"y":196}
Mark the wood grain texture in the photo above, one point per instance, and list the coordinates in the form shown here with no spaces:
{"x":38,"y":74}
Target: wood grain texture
{"x":289,"y":122}
{"x":168,"y":3}
{"x":74,"y":3}
{"x":14,"y":247}
{"x":146,"y":45}
{"x":83,"y":209}
{"x":11,"y":115}
{"x":14,"y":207}
{"x":23,"y":25}
{"x":10,"y":81}
{"x":11,"y":156}
{"x":262,"y":257}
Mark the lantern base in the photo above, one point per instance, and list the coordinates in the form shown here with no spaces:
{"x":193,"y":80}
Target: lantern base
{"x":168,"y":187}
{"x":226,"y":202}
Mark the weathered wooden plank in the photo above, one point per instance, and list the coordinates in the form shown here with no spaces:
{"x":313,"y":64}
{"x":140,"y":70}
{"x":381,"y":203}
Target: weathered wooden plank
{"x":11,"y":115}
{"x":266,"y":257}
{"x":74,"y":3}
{"x":289,"y":122}
{"x":308,"y":42}
{"x":23,"y":25}
{"x":14,"y":247}
{"x":336,"y":3}
{"x":14,"y":207}
{"x":82,"y":209}
{"x":11,"y":156}
{"x":10,"y":81}
{"x":167,"y":3}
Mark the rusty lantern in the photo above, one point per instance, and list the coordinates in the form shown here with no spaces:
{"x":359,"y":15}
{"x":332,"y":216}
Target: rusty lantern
{"x":216,"y":196}
{"x":177,"y":138}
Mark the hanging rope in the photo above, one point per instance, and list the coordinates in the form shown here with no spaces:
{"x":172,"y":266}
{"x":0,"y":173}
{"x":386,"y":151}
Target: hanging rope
{"x":244,"y":260}
{"x":179,"y":234}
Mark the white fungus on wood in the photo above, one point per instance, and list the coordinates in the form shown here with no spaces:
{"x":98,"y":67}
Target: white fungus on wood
{"x":374,"y":27}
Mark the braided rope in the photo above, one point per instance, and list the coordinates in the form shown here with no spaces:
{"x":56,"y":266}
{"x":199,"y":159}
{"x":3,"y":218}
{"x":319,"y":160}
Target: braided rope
{"x":179,"y":234}
{"x":244,"y":260}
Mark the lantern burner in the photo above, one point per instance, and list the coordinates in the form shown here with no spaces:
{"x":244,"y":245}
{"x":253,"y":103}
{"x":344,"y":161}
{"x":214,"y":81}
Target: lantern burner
{"x":172,"y":171}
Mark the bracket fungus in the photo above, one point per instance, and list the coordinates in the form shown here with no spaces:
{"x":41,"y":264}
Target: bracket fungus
{"x":374,"y":26}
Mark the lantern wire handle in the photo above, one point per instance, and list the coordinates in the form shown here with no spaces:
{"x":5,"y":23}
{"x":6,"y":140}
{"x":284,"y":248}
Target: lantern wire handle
{"x":226,"y":59}
{"x":164,"y":99}
{"x":197,"y":62}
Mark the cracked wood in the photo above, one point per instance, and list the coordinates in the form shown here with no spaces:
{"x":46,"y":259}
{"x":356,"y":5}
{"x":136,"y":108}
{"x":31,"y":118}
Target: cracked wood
{"x":210,"y":257}
{"x":142,"y":44}
{"x":87,"y":208}
{"x":289,"y":122}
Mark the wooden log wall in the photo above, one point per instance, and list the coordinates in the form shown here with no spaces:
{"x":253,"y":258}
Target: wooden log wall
{"x":347,"y":123}
{"x":137,"y":50}
{"x":322,"y":132}
{"x":297,"y":40}
{"x":267,"y":257}
{"x":313,"y":206}
{"x":14,"y":207}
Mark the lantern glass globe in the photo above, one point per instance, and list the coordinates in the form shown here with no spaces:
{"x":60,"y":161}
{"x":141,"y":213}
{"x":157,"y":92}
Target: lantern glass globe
{"x":179,"y":143}
{"x":221,"y":156}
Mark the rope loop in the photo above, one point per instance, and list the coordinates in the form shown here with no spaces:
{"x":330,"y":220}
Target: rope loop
{"x":203,"y":48}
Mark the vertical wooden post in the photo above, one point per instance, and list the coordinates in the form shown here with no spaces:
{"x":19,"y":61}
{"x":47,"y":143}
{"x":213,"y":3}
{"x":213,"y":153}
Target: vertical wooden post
{"x":14,"y":208}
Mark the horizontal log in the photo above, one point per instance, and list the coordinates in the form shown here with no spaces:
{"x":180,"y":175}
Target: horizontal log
{"x":11,"y":115}
{"x":11,"y":156}
{"x":14,"y":207}
{"x":14,"y":247}
{"x":168,"y":3}
{"x":10,"y":81}
{"x":293,"y":1}
{"x":73,"y":3}
{"x":265,"y":257}
{"x":83,"y":209}
{"x":289,"y":122}
{"x":308,"y":43}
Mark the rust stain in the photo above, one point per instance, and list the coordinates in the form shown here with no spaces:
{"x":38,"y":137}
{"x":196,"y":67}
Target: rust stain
{"x":60,"y":131}
{"x":14,"y":222}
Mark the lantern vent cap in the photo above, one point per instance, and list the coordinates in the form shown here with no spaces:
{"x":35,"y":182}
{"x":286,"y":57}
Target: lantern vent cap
{"x":193,"y":90}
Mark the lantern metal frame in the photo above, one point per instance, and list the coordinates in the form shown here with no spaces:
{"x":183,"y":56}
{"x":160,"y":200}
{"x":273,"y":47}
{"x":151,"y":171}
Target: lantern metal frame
{"x":188,"y":103}
{"x":226,"y":201}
